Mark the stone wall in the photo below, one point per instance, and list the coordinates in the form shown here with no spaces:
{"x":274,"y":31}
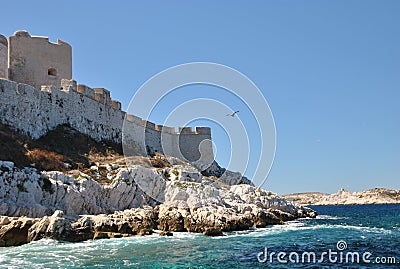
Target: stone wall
{"x":3,"y":57}
{"x":35,"y":61}
{"x":91,"y":111}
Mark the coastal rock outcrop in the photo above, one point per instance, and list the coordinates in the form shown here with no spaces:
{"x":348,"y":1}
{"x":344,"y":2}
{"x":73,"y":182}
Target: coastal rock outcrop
{"x":27,"y":192}
{"x":14,"y":232}
{"x":138,"y":201}
{"x":73,"y":228}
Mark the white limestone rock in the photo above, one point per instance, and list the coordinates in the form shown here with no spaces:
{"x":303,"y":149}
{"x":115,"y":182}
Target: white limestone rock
{"x":6,"y":165}
{"x":234,"y":178}
{"x":27,"y":192}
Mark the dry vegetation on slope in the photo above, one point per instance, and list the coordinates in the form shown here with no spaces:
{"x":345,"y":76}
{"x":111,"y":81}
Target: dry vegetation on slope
{"x":52,"y":151}
{"x":67,"y":150}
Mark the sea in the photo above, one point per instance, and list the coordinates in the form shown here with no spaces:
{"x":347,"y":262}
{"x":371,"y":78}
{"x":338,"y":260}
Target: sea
{"x":352,"y":236}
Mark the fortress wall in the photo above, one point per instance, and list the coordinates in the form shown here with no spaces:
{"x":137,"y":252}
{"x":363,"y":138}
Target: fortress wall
{"x":153,"y":141}
{"x":36,"y":61}
{"x":188,"y":130}
{"x":203,"y":130}
{"x":102,"y":95}
{"x":189,"y":145}
{"x":3,"y":57}
{"x":85,"y":90}
{"x":116,"y":104}
{"x":34,"y":112}
{"x":170,"y":142}
{"x":134,"y":119}
{"x":68,"y":85}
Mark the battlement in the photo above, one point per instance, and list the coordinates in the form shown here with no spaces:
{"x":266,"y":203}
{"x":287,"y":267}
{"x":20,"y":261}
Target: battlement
{"x":198,"y":130}
{"x":85,"y":90}
{"x":68,"y":85}
{"x":166,"y":129}
{"x":100,"y":96}
{"x":25,"y":34}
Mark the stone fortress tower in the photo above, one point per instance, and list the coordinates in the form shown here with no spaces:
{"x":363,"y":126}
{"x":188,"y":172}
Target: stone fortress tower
{"x":34,"y":60}
{"x":37,"y":94}
{"x":3,"y":57}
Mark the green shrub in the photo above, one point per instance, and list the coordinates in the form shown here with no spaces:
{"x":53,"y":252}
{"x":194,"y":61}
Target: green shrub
{"x":47,"y":185}
{"x":21,"y":187}
{"x":175,"y":172}
{"x":167,"y":175}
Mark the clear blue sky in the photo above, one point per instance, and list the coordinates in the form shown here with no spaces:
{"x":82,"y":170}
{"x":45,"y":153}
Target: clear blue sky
{"x":330,"y":71}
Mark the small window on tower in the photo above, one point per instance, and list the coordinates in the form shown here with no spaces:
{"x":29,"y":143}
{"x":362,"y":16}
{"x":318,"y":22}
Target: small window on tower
{"x":52,"y":72}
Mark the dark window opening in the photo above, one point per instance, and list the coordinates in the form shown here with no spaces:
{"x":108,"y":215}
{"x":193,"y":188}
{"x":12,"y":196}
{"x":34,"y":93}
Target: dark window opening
{"x":52,"y":72}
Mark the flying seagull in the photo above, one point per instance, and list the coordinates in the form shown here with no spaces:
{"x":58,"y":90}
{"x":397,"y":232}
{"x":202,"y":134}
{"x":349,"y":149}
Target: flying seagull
{"x":233,"y":114}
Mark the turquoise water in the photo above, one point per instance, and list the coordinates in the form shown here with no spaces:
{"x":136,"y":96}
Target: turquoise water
{"x":367,"y":228}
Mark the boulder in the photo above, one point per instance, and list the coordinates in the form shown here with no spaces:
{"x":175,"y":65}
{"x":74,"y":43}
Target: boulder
{"x":15,"y":233}
{"x":213,"y":232}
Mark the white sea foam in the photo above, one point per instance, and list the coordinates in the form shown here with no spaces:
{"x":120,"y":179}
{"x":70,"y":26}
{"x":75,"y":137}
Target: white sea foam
{"x":3,"y":258}
{"x":328,"y":217}
{"x":130,"y":264}
{"x":284,"y":228}
{"x":259,"y":232}
{"x":45,"y":242}
{"x":185,"y":235}
{"x":175,"y":235}
{"x":298,"y":225}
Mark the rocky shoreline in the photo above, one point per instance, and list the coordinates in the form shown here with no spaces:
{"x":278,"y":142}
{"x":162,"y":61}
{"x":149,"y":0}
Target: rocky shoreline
{"x":75,"y":207}
{"x":15,"y":231}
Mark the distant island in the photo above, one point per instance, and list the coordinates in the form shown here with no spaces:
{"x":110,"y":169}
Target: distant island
{"x":344,"y":197}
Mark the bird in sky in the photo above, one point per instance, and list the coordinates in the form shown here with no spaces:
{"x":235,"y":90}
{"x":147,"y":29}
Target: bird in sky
{"x":233,"y":114}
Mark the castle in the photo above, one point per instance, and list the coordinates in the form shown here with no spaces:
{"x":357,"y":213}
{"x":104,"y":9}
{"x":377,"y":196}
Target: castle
{"x":37,"y":94}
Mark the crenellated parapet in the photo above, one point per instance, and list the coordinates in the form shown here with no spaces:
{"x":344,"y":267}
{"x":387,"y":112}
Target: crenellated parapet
{"x":100,"y":95}
{"x":68,"y":85}
{"x":134,"y":119}
{"x":203,"y":130}
{"x":116,"y":104}
{"x":166,"y":129}
{"x":86,"y":91}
